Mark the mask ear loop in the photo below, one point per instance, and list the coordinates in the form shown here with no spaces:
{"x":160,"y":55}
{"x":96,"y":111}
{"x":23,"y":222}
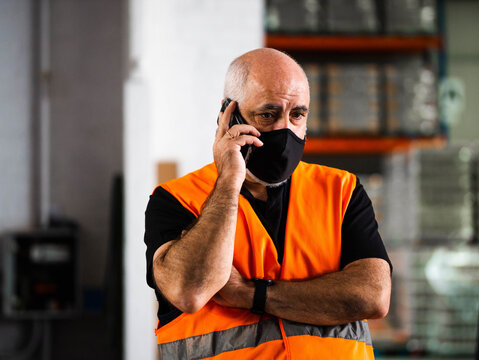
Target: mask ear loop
{"x":246,"y":158}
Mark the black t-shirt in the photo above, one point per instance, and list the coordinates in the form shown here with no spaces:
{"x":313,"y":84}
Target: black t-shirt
{"x":166,"y":218}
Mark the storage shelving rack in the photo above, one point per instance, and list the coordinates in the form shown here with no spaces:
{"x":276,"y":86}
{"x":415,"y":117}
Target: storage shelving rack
{"x":406,"y":44}
{"x":364,"y":153}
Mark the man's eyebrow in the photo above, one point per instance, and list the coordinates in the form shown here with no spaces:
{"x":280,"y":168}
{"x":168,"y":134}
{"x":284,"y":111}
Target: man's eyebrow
{"x":270,"y":107}
{"x":301,"y":108}
{"x":279,"y":107}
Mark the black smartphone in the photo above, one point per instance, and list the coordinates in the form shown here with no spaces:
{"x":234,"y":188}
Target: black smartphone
{"x":237,"y":118}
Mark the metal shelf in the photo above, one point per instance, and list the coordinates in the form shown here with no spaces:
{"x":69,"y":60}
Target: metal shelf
{"x":346,"y":43}
{"x":369,"y":145}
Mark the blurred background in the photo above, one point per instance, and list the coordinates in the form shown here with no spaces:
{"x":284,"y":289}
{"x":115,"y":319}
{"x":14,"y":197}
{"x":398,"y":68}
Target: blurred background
{"x":100,"y":100}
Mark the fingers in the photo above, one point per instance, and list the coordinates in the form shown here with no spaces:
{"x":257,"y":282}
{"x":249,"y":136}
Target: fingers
{"x":242,"y":129}
{"x":247,"y":140}
{"x":226,"y":148}
{"x":242,"y":135}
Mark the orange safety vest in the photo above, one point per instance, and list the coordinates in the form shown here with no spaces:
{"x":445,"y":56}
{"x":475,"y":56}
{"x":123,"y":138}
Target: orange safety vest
{"x":319,"y":196}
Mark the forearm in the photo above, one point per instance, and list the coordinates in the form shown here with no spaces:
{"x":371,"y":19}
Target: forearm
{"x":352,"y":294}
{"x":360,"y":291}
{"x":190,"y":270}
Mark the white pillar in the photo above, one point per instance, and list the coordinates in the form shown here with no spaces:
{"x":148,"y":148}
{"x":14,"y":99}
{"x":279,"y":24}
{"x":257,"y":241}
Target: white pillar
{"x":178,"y":53}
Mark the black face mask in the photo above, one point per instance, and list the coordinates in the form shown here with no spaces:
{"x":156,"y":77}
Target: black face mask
{"x":276,"y":160}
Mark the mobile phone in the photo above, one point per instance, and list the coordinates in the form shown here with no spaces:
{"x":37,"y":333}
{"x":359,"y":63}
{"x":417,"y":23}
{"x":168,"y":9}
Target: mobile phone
{"x":237,"y":118}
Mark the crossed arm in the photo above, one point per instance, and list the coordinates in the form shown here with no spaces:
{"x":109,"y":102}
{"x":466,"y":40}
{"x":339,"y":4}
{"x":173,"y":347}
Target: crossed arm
{"x":360,"y":291}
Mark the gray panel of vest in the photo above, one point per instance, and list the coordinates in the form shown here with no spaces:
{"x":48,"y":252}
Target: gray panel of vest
{"x":240,"y":337}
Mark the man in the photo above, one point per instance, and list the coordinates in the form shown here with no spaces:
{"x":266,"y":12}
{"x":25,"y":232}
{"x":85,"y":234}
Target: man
{"x":268,"y":258}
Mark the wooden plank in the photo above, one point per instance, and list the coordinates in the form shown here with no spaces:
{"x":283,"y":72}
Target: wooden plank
{"x":166,"y":171}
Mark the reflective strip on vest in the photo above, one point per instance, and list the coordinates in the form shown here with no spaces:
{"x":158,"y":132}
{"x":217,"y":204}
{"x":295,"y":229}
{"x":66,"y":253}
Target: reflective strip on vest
{"x":240,"y":337}
{"x":215,"y":343}
{"x":357,"y":330}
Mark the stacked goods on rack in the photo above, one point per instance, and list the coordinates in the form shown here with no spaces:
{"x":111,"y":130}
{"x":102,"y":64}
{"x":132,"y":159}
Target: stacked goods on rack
{"x":444,"y":293}
{"x":427,"y":197}
{"x":437,"y":310}
{"x":475,"y":184}
{"x":446,"y":205}
{"x":352,"y":16}
{"x":353,"y":98}
{"x":411,"y":99}
{"x":299,"y":16}
{"x":399,"y":227}
{"x":442,"y":281}
{"x":410,"y":16}
{"x":427,"y":227}
{"x":476,"y":199}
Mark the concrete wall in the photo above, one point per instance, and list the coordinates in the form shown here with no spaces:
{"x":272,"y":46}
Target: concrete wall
{"x":86,"y":137}
{"x":86,"y":120}
{"x":15,"y":114}
{"x":16,"y":182}
{"x":178,"y":54}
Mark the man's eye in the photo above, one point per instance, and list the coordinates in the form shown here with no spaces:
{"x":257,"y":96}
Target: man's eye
{"x":267,"y":116}
{"x":298,"y":116}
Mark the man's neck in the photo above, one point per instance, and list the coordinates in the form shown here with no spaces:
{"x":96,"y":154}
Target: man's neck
{"x":257,"y":190}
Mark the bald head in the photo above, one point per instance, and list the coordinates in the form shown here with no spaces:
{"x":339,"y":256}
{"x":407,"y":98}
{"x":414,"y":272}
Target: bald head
{"x":261,"y":66}
{"x":271,"y":89}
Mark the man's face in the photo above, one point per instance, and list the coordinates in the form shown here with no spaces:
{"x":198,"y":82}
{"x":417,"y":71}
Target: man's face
{"x":277,"y":101}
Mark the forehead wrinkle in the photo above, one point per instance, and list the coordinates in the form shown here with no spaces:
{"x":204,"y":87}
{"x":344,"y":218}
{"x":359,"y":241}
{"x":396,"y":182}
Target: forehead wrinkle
{"x":276,"y":82}
{"x":275,"y":69}
{"x":277,"y":88}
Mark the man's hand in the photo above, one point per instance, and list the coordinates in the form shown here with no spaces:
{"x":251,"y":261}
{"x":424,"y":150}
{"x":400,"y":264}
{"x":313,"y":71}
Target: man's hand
{"x":238,"y":292}
{"x":227,"y":146}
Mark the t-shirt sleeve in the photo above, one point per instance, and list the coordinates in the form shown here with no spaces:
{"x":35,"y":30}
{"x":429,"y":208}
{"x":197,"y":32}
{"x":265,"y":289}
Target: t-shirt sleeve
{"x":165,"y":219}
{"x":360,"y":238}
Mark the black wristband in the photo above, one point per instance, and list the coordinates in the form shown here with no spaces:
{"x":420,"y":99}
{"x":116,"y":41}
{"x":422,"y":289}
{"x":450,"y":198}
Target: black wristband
{"x":259,"y":300}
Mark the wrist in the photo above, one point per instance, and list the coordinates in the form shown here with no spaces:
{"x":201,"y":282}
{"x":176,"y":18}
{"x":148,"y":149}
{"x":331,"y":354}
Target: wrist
{"x":260,"y":295}
{"x":229,"y":184}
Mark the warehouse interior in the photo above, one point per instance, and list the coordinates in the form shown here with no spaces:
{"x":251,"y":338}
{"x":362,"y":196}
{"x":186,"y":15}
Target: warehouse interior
{"x":101,"y":100}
